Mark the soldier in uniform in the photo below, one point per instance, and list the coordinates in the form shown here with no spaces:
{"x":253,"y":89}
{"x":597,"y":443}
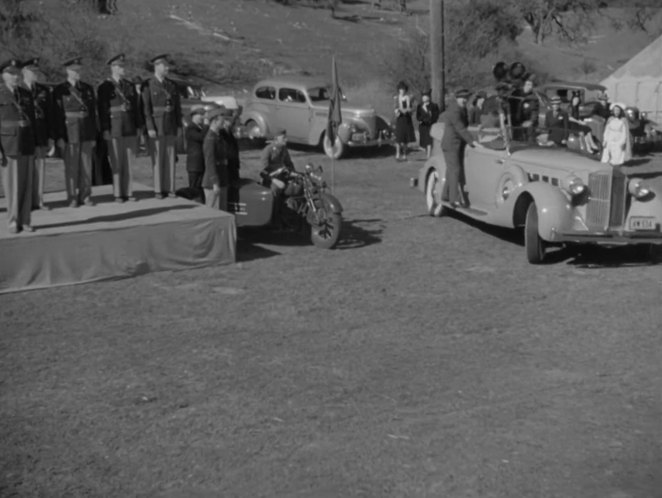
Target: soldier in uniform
{"x":274,"y":157}
{"x":163,"y":119}
{"x":17,"y":144}
{"x":43,"y":128}
{"x":119,"y":120}
{"x":76,"y":132}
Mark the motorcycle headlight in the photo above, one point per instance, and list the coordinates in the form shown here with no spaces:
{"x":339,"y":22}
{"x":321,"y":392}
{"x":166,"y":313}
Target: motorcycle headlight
{"x":574,"y":185}
{"x":638,"y":188}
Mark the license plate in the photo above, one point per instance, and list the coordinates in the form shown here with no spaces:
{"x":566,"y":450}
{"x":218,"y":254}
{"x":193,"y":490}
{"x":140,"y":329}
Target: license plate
{"x":642,"y":223}
{"x":359,"y":137}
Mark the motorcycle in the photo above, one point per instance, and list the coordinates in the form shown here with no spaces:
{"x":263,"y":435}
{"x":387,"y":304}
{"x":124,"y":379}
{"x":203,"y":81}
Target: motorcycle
{"x":305,"y":206}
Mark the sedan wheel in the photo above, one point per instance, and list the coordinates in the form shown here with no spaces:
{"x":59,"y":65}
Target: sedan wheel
{"x":253,"y":130}
{"x":334,"y":151}
{"x":534,"y":245}
{"x":433,"y":195}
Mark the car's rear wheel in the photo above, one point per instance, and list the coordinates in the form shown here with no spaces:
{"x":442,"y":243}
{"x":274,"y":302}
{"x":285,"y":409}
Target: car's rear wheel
{"x":335,"y":150}
{"x":433,"y":195}
{"x":534,"y":245}
{"x":253,"y":130}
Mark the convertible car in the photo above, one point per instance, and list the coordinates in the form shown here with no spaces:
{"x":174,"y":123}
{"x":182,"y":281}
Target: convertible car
{"x":556,"y":195}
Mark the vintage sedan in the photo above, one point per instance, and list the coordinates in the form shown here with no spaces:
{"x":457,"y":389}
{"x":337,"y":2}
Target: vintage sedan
{"x":301,"y":106}
{"x":558,"y":196}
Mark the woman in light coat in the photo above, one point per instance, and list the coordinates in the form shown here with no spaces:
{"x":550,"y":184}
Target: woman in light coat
{"x":616,"y":141}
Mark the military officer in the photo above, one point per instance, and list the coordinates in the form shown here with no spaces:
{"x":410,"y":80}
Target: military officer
{"x":76,"y":132}
{"x":119,"y":120}
{"x":163,"y":119}
{"x":17,"y":145}
{"x":216,"y":176}
{"x":43,"y":127}
{"x":527,"y":112}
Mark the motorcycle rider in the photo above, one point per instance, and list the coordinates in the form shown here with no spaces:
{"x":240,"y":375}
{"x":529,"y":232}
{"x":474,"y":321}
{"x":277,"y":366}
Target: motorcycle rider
{"x":275,"y":161}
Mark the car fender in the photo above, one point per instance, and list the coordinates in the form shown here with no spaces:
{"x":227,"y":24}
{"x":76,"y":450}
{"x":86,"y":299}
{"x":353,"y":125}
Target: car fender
{"x":555,"y":211}
{"x":434,"y":163}
{"x":511,"y":181}
{"x":258,"y":117}
{"x":319,"y":129}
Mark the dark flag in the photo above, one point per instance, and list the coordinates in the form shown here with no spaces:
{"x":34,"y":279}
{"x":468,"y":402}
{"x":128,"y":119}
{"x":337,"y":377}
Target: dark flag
{"x":335,"y":117}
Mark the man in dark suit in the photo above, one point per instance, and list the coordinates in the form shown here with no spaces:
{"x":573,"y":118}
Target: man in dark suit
{"x":76,"y":132}
{"x":43,"y":128}
{"x":216,"y":178}
{"x":231,"y":146}
{"x":195,"y":159}
{"x":163,"y":119}
{"x":557,"y":122}
{"x":16,"y":147}
{"x":456,"y":138}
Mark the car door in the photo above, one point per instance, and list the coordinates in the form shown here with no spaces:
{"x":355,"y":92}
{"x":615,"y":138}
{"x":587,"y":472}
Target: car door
{"x":483,"y":169}
{"x":294,"y":113}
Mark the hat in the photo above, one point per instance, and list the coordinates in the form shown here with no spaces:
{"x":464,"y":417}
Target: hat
{"x":31,"y":63}
{"x":481,"y":95}
{"x":118,"y":60}
{"x":617,"y":104}
{"x":502,"y":86}
{"x":555,"y":100}
{"x":462,"y":94}
{"x":160,"y":59}
{"x":198,"y":109}
{"x":10,"y":66}
{"x":603,"y":97}
{"x":74,"y":63}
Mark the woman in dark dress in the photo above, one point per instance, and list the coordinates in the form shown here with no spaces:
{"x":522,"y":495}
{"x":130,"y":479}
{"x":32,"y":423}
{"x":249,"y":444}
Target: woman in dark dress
{"x":427,"y":114}
{"x":577,"y":126}
{"x":404,"y":126}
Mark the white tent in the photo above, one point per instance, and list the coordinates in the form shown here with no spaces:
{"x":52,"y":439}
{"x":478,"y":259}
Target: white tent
{"x":639,"y":81}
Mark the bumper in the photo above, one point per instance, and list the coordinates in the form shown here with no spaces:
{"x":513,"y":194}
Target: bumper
{"x":362,"y":139}
{"x":609,"y":238}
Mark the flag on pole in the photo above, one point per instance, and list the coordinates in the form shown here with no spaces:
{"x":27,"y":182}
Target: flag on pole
{"x":335,"y":116}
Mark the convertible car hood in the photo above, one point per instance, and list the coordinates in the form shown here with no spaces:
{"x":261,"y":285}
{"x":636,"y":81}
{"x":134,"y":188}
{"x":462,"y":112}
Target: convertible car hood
{"x":558,"y":158}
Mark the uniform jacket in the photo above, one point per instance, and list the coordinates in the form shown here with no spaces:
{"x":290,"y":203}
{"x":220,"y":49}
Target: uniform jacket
{"x":42,"y":99}
{"x":274,"y":157}
{"x":232,"y":153}
{"x":76,"y":112}
{"x":216,"y":161}
{"x":195,"y":158}
{"x":118,"y":105}
{"x":455,"y":131}
{"x":16,"y":122}
{"x":528,"y":109}
{"x":161,"y":106}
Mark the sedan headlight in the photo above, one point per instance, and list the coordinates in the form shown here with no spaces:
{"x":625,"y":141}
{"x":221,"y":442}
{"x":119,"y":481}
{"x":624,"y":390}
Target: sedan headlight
{"x":638,"y":188}
{"x":574,"y":185}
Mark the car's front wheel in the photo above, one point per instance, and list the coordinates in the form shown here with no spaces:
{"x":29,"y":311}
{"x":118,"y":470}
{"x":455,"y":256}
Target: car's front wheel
{"x":534,"y":245}
{"x":335,"y":150}
{"x":433,"y":195}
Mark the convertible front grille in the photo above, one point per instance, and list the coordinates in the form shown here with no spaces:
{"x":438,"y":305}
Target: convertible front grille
{"x":607,"y":197}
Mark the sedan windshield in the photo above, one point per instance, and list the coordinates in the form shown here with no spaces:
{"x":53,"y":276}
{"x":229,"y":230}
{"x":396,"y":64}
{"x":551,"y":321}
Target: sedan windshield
{"x":318,"y":94}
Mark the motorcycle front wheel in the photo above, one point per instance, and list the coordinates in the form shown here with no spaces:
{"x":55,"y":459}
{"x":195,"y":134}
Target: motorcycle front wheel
{"x":326,"y":233}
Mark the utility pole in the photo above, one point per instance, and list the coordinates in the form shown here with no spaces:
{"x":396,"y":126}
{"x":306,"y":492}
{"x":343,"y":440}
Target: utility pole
{"x":437,"y":64}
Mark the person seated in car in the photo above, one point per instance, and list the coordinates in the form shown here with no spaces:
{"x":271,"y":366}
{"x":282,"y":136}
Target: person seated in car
{"x":528,"y":108}
{"x":476,"y":108}
{"x":494,"y":106}
{"x":576,"y":125}
{"x":557,"y":122}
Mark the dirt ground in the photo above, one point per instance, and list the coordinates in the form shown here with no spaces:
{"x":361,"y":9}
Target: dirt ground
{"x":423,"y":358}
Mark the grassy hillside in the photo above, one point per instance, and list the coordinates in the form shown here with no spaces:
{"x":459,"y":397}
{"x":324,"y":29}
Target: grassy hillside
{"x":228,"y":45}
